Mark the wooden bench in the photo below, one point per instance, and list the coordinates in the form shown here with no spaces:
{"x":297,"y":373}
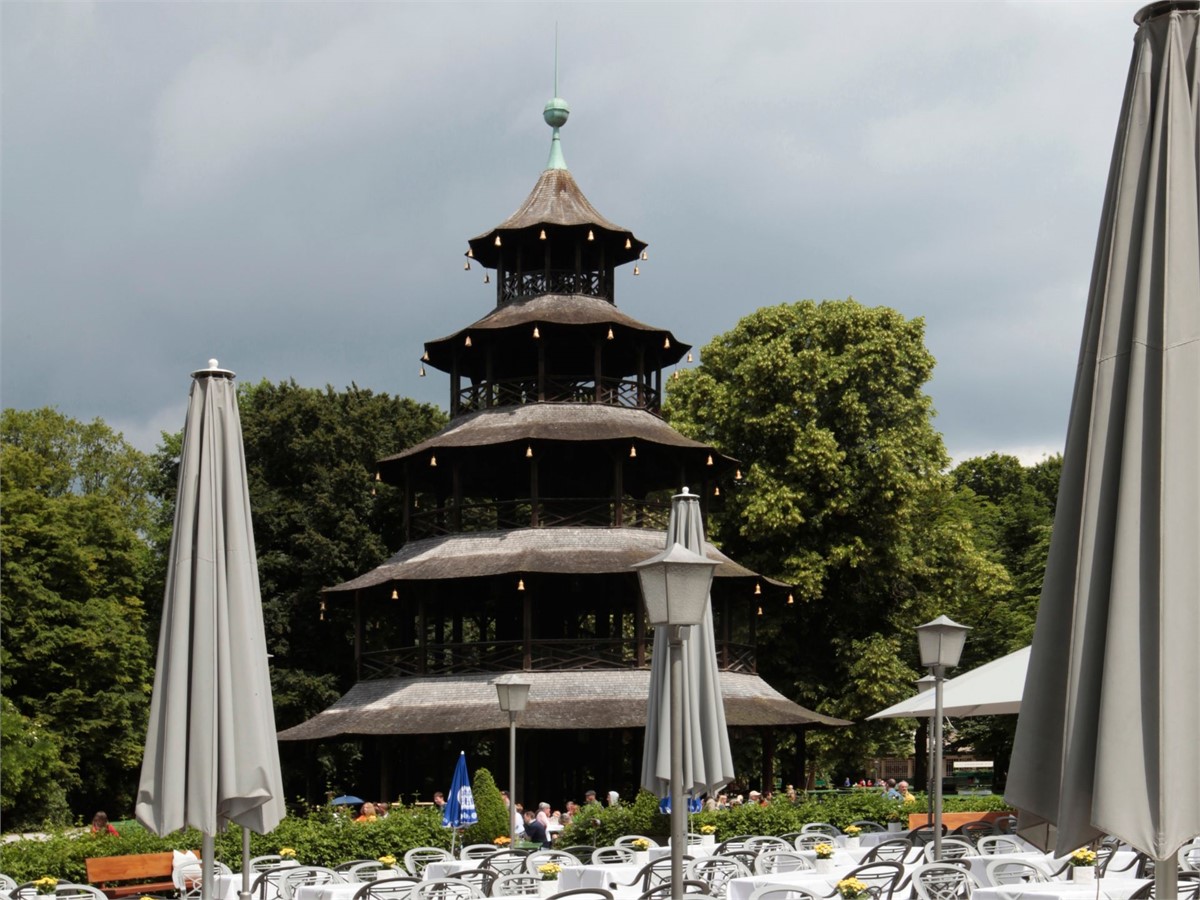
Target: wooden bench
{"x":151,"y":871}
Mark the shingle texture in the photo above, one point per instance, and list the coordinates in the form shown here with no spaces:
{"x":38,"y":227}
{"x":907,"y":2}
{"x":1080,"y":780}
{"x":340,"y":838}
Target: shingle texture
{"x":557,"y":700}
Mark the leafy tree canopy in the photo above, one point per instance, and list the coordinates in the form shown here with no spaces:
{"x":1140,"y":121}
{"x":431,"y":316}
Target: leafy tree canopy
{"x":75,"y":658}
{"x":844,"y":496}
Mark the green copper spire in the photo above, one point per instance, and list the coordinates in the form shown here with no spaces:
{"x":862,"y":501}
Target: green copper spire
{"x":555,"y":114}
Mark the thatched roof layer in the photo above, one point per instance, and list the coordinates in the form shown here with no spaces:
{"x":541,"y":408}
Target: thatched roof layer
{"x":551,"y":422}
{"x":583,"y":699}
{"x":556,"y":200}
{"x":566,"y":551}
{"x":555,"y":309}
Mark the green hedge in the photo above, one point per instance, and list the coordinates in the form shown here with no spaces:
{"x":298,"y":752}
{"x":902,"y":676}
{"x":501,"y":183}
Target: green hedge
{"x":325,"y":838}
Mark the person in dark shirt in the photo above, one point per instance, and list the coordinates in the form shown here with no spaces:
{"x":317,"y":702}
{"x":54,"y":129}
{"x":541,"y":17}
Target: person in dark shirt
{"x":535,"y":830}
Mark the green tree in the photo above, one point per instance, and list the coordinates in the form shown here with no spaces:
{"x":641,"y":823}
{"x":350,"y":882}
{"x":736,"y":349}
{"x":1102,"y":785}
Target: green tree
{"x":489,"y":807}
{"x":844,"y":497}
{"x":75,"y":658}
{"x":319,"y":519}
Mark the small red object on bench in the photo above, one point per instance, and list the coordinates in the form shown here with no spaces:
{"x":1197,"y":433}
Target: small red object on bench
{"x":151,"y":871}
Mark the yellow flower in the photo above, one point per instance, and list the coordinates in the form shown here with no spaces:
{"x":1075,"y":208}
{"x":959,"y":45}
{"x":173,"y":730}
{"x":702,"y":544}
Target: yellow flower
{"x":287,"y":852}
{"x":502,"y":841}
{"x":824,"y":851}
{"x":853,"y":831}
{"x":640,"y":844}
{"x":387,"y":859}
{"x":46,"y":884}
{"x":1083,"y":857}
{"x":549,"y":871}
{"x":708,"y":829}
{"x":851,"y":889}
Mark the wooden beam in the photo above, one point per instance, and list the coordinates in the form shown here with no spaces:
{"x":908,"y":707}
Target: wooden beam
{"x":526,"y":631}
{"x":358,"y":636}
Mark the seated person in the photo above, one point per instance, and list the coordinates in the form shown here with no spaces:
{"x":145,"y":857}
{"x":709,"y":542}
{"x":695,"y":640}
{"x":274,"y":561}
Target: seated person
{"x":535,"y":830}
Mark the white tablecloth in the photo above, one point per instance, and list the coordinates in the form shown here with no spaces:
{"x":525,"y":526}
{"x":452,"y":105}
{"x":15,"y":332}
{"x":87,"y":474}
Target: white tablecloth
{"x":344,"y":890}
{"x":1110,"y":889}
{"x":597,"y":876}
{"x":436,"y":871}
{"x":817,"y":882}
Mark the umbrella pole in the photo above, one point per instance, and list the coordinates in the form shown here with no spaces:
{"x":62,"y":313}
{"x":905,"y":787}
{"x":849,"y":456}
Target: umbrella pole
{"x":244,"y":893}
{"x":208,"y":847}
{"x":678,"y":811}
{"x":1166,"y":878}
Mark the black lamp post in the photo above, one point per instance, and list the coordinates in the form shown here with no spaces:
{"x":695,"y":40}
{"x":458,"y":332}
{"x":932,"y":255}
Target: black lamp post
{"x":941,"y":642}
{"x":675,"y":586}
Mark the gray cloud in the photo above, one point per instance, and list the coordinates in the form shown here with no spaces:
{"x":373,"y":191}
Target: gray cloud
{"x":289,"y":187}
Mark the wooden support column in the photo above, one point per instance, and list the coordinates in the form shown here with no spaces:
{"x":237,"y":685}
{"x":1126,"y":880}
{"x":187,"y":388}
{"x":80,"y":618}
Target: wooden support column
{"x":526,"y":631}
{"x":541,"y":370}
{"x":598,"y":370}
{"x":491,"y":386}
{"x":457,"y":499}
{"x":409,"y":500}
{"x":618,"y":490}
{"x":534,"y":501}
{"x":358,"y":635}
{"x":422,"y":638}
{"x":641,"y":377}
{"x":768,"y":759}
{"x":639,"y":629}
{"x":726,"y":633}
{"x":754,"y":635}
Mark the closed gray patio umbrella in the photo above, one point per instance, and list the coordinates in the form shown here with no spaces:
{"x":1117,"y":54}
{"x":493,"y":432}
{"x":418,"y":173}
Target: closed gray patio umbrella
{"x":707,"y":760}
{"x":211,"y":754}
{"x":1110,"y":718}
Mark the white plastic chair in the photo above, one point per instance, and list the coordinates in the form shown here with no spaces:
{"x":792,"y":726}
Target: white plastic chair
{"x":69,"y":891}
{"x":445,"y":889}
{"x":943,"y":881}
{"x":952,"y":848}
{"x":1015,"y":871}
{"x":626,"y":840}
{"x":609,"y":856}
{"x":398,"y":888}
{"x":369,"y":870}
{"x":478,"y":851}
{"x":771,"y":862}
{"x":506,"y":862}
{"x":810,"y":840}
{"x":270,"y":861}
{"x":998,"y":844}
{"x":416,"y":859}
{"x":821,"y":827}
{"x":188,"y":878}
{"x":717,"y":871}
{"x":762,"y":842}
{"x":541,"y":857}
{"x":518,"y":884}
{"x":292,"y":878}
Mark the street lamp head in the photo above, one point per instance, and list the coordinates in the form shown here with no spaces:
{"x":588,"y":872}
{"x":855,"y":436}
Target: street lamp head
{"x":675,"y":586}
{"x":513,"y":692}
{"x":941,"y":642}
{"x":925,"y":683}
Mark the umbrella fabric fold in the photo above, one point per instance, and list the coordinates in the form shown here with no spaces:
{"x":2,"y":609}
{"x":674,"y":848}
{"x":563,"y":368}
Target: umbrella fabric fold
{"x":707,"y":759}
{"x":459,"y":811}
{"x":211,"y":753}
{"x":1110,"y":717}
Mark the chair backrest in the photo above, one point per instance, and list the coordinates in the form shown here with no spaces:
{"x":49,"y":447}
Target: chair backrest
{"x":7,"y":883}
{"x":737,"y":842}
{"x":626,"y":840}
{"x":822,"y":827}
{"x":507,"y":862}
{"x":519,"y":884}
{"x":952,"y":848}
{"x":477,"y":851}
{"x":664,"y":891}
{"x":270,"y":861}
{"x":582,"y":852}
{"x":922,"y":835}
{"x":812,"y":839}
{"x":266,"y":883}
{"x":941,"y":881}
{"x":893,"y":850}
{"x":654,"y":873}
{"x":717,"y":871}
{"x":761,"y":842}
{"x":445,"y":889}
{"x":1005,"y":825}
{"x":481,"y":878}
{"x":996,"y":844}
{"x":189,"y":878}
{"x":541,"y":857}
{"x":781,"y":892}
{"x":369,"y":870}
{"x":973,"y":831}
{"x":1015,"y":871}
{"x":416,"y":859}
{"x":770,"y":862}
{"x":586,"y":894}
{"x":607,"y":856}
{"x":295,"y":876}
{"x":881,"y":877}
{"x":1189,"y":856}
{"x":869,"y":826}
{"x":68,"y":891}
{"x":397,"y":888}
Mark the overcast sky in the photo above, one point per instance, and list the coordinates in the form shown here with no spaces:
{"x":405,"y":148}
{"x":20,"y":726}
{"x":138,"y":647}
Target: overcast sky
{"x":289,"y":186}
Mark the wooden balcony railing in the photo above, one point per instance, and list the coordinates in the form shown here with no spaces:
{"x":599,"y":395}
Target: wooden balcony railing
{"x":519,"y":391}
{"x":525,"y":512}
{"x":544,"y":655}
{"x":518,"y":285}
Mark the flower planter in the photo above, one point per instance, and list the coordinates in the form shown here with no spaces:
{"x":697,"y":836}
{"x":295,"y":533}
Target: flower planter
{"x":852,"y":842}
{"x":547,"y":887}
{"x":1083,"y":873}
{"x":708,"y":840}
{"x":824,"y":866}
{"x":641,"y":857}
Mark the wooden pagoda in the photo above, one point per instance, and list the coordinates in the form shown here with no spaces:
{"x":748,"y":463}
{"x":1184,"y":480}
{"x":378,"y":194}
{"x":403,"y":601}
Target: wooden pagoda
{"x":522,"y":519}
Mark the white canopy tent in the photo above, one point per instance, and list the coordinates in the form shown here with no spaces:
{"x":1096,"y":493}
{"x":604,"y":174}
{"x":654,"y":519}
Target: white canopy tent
{"x":992,"y":689}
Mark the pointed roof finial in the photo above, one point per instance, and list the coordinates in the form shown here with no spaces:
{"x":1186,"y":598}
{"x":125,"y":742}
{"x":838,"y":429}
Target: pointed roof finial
{"x":555,"y":114}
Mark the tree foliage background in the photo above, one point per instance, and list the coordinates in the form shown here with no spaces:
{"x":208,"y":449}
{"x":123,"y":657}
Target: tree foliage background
{"x":846,"y":495}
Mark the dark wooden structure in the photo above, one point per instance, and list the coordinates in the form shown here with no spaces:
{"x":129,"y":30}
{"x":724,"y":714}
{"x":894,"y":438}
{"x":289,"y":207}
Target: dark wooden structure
{"x":523,"y":517}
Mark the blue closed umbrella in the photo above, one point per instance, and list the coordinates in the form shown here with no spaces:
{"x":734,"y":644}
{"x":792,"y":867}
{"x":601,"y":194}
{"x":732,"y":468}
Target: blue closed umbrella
{"x":346,"y":800}
{"x":459,"y":811}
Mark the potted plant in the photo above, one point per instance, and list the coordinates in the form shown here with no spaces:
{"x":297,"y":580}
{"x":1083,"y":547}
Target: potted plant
{"x":45,"y":885}
{"x":852,"y":889}
{"x":852,"y":833}
{"x":549,"y":883}
{"x":641,"y":851}
{"x":1083,"y":865}
{"x":824,"y":857}
{"x":708,"y":835}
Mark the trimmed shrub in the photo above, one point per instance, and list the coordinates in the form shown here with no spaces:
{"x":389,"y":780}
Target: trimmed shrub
{"x":489,"y":806}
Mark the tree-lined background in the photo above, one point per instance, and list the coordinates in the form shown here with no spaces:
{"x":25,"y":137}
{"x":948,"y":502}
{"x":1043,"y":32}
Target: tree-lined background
{"x":847,"y":493}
